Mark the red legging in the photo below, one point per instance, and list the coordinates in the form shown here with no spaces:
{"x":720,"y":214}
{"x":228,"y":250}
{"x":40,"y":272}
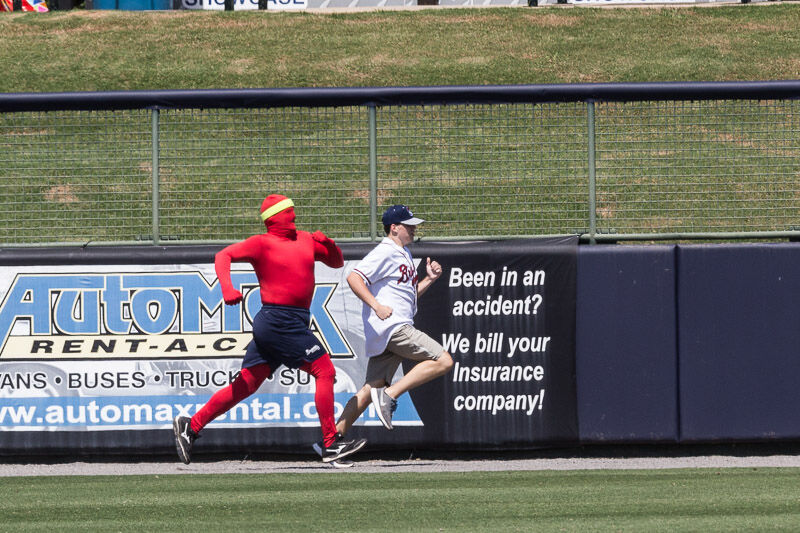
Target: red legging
{"x":248,"y":381}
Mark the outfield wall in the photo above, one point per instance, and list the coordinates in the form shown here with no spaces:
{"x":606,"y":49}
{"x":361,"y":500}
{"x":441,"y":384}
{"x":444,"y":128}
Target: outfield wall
{"x":645,"y":344}
{"x":688,"y":343}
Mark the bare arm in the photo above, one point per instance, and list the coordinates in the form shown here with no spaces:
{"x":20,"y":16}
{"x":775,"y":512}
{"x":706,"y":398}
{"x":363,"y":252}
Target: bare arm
{"x":434,"y":270}
{"x":361,"y":290}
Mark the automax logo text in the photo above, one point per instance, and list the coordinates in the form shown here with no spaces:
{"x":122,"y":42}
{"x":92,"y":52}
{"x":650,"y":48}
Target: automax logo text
{"x":140,"y":315}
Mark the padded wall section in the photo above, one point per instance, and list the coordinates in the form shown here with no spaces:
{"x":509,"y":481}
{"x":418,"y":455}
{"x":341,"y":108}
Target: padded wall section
{"x":626,"y":346}
{"x":739,"y":339}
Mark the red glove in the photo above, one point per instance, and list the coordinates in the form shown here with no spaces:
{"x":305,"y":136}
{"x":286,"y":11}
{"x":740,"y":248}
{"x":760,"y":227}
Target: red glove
{"x":320,"y":237}
{"x":231,"y":296}
{"x":332,"y":255}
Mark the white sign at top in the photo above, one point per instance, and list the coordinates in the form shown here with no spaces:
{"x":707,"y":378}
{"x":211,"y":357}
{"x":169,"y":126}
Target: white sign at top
{"x":244,"y":5}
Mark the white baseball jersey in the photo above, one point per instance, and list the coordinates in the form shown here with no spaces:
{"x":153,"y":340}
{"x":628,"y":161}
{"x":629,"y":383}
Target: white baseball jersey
{"x":389,"y":272}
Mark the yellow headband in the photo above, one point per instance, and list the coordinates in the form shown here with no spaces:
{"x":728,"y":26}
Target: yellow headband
{"x":277,"y":208}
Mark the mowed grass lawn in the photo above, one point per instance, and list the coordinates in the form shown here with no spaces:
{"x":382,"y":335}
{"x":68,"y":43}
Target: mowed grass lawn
{"x":83,"y":50}
{"x":743,"y":499}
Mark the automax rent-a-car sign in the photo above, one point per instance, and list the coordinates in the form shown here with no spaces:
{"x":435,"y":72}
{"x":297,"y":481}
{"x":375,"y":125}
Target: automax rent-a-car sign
{"x":84,"y":348}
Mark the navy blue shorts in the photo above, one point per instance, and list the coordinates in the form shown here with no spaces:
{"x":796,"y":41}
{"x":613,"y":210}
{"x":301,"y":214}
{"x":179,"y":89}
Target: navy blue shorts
{"x":281,"y":337}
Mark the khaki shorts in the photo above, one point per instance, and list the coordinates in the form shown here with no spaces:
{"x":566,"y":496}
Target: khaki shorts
{"x":406,"y":342}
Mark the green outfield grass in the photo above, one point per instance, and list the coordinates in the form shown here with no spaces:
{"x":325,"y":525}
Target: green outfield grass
{"x":105,"y":50}
{"x":763,"y":499}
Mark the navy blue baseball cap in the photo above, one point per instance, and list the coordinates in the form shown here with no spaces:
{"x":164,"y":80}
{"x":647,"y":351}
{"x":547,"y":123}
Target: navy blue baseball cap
{"x":400,"y":214}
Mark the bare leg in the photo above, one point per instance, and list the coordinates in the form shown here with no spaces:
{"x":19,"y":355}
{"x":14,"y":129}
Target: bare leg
{"x":422,"y":372}
{"x":354,"y":408}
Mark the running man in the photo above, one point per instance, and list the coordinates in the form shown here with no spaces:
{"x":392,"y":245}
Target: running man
{"x":386,"y":281}
{"x":283,"y":260}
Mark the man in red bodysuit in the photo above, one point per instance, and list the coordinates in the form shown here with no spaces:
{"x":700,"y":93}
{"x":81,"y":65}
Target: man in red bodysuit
{"x":283,"y":260}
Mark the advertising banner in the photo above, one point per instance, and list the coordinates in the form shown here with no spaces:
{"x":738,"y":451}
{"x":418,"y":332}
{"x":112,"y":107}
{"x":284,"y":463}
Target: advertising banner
{"x":506,"y":313}
{"x":109,"y":349}
{"x":90,"y":348}
{"x":245,"y":5}
{"x":645,"y":2}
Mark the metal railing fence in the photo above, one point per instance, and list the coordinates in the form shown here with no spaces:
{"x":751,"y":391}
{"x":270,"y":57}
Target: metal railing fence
{"x":605,"y":161}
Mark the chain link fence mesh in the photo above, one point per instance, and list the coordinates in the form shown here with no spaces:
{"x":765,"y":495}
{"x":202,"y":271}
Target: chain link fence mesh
{"x":472,"y":170}
{"x":75,"y":176}
{"x":688,"y":167}
{"x":493,"y":171}
{"x":218,"y":165}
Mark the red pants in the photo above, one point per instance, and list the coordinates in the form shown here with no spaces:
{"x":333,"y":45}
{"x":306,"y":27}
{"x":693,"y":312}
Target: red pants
{"x":250,"y":379}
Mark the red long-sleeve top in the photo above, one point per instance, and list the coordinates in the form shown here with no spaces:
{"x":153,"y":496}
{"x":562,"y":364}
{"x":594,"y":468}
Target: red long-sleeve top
{"x":284,"y":265}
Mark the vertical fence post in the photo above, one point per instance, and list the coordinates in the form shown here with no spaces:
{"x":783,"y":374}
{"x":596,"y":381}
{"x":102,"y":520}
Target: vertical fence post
{"x":373,"y":173}
{"x":592,"y":172}
{"x":156,"y":236}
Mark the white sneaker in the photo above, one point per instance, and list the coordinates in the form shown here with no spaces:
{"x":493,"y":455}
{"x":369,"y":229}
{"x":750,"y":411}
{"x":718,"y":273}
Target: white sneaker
{"x":384,"y":404}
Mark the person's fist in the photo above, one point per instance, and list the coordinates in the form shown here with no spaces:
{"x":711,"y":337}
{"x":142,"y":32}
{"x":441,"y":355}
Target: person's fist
{"x":434,"y":269}
{"x":231,"y":296}
{"x":383,"y":311}
{"x":319,"y":237}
